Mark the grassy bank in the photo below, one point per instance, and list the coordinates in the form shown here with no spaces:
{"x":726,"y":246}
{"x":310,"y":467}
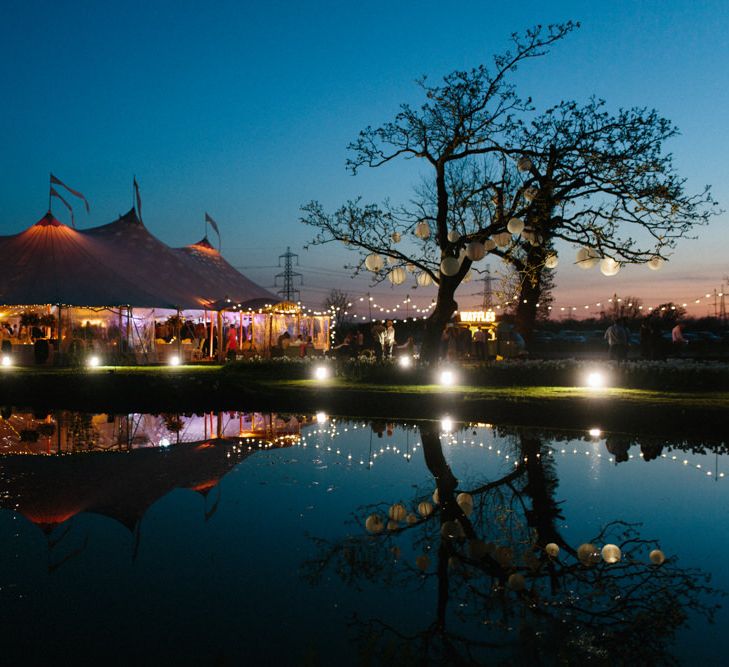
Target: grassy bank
{"x":290,"y":389}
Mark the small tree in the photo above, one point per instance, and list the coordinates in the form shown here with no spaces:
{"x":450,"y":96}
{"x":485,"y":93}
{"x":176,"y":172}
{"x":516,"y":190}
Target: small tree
{"x":337,"y":303}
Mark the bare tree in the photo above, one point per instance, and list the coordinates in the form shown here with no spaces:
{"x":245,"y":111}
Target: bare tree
{"x":505,"y":181}
{"x":337,"y":302}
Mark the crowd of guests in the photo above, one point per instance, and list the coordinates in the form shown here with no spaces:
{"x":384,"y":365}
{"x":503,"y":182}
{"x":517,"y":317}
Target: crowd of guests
{"x":653,"y":346}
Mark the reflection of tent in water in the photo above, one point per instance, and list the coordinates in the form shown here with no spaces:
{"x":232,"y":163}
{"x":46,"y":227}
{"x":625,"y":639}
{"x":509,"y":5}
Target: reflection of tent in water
{"x":49,"y":490}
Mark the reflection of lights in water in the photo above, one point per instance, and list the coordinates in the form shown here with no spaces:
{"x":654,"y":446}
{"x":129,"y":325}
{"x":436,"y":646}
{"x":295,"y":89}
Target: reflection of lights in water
{"x":595,"y":432}
{"x":595,"y":380}
{"x":7,"y":361}
{"x":164,"y":442}
{"x":446,"y":424}
{"x":447,"y":378}
{"x":321,"y":372}
{"x":93,"y":362}
{"x":321,"y":417}
{"x":174,"y":360}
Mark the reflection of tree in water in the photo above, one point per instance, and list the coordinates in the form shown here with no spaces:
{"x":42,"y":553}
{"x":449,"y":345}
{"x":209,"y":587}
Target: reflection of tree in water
{"x":81,"y":433}
{"x":499,"y":593}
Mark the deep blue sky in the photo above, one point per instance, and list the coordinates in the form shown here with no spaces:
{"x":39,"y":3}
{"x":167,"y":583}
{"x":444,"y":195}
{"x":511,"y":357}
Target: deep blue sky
{"x":245,"y":110}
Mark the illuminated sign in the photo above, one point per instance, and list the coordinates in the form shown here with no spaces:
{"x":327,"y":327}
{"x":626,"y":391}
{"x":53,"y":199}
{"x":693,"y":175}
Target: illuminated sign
{"x":477,"y":316}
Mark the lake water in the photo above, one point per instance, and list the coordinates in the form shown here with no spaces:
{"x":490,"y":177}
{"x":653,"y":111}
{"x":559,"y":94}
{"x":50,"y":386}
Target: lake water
{"x":232,"y":538}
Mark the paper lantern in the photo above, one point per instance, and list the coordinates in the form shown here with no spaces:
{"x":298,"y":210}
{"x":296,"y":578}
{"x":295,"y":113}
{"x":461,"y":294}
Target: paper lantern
{"x":449,"y":266}
{"x":657,"y":557}
{"x":391,"y":261}
{"x":587,"y":258}
{"x":395,"y":236}
{"x":655,"y":263}
{"x":374,"y":262}
{"x":397,"y":512}
{"x":609,"y":267}
{"x":503,"y":239}
{"x":393,"y":525}
{"x":611,"y":553}
{"x":411,"y":519}
{"x":530,"y":194}
{"x":523,"y":164}
{"x":422,"y":563}
{"x":588,"y":554}
{"x":467,"y":278}
{"x":453,"y":236}
{"x":397,"y":276}
{"x":464,"y":498}
{"x":475,"y":251}
{"x":516,"y":582}
{"x":374,"y":523}
{"x":515,"y":226}
{"x":551,"y":260}
{"x":425,"y":508}
{"x":410,"y":268}
{"x":422,"y":230}
{"x":489,"y":245}
{"x":552,"y":550}
{"x":423,"y":279}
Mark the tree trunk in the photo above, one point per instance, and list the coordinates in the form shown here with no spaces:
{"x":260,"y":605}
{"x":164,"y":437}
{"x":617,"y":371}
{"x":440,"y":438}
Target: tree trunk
{"x":444,"y":308}
{"x":530,"y":292}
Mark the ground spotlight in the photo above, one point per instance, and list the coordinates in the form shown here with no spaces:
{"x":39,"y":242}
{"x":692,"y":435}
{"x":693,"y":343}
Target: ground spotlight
{"x":93,"y":361}
{"x":595,"y":380}
{"x":174,"y":360}
{"x":321,"y":372}
{"x":595,"y":432}
{"x":447,"y":378}
{"x":405,"y":362}
{"x":7,"y":360}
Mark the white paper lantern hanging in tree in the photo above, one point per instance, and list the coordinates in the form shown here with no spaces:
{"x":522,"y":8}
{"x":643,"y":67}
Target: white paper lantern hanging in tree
{"x":395,"y":236}
{"x":515,"y":225}
{"x":587,"y":258}
{"x":609,"y":267}
{"x":523,"y":164}
{"x":552,"y":550}
{"x":655,"y":263}
{"x":551,"y":260}
{"x":530,"y":194}
{"x":516,"y":582}
{"x":489,"y":245}
{"x":397,"y":276}
{"x":475,"y":251}
{"x":410,"y":268}
{"x":422,"y":230}
{"x":453,"y":236}
{"x":503,"y":239}
{"x":611,"y":553}
{"x":657,"y":557}
{"x":374,"y":262}
{"x":423,"y":279}
{"x":425,"y":508}
{"x":449,"y":266}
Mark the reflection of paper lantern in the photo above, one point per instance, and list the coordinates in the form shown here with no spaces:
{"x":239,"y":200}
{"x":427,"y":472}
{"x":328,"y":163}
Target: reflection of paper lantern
{"x":503,"y":239}
{"x":489,"y":245}
{"x":530,"y":194}
{"x":449,"y":266}
{"x":397,"y":276}
{"x":467,"y":278}
{"x":516,"y":582}
{"x":657,"y":557}
{"x":515,"y":226}
{"x":528,"y":235}
{"x":655,"y":263}
{"x":374,"y":523}
{"x":453,"y":236}
{"x":436,"y":497}
{"x":425,"y":508}
{"x":393,"y":525}
{"x":611,"y":553}
{"x":552,"y":550}
{"x":587,"y":258}
{"x":475,"y":251}
{"x":452,"y":530}
{"x":374,"y":262}
{"x":523,"y":164}
{"x":395,"y":236}
{"x":464,"y":498}
{"x":422,"y":562}
{"x":423,"y":279}
{"x":609,"y":267}
{"x":588,"y":554}
{"x":551,"y":260}
{"x":397,"y":512}
{"x":422,"y":230}
{"x":411,"y":519}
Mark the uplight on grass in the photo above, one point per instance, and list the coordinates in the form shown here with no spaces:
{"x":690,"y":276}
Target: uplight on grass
{"x":447,"y":378}
{"x":7,"y":361}
{"x":321,"y":373}
{"x":174,"y":360}
{"x":93,"y":361}
{"x":405,"y":362}
{"x":596,"y":380}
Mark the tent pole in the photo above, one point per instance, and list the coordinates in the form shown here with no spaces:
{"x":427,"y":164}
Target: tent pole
{"x":178,"y":333}
{"x":221,"y":352}
{"x":59,"y":337}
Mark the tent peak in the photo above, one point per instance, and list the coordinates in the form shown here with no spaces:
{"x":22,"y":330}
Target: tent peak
{"x":49,"y":221}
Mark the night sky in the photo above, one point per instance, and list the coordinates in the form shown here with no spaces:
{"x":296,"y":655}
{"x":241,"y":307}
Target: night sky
{"x":245,"y":109}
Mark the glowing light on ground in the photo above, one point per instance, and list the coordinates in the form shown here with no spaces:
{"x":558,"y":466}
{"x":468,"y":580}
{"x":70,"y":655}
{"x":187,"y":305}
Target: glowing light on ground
{"x":405,"y":362}
{"x":93,"y":362}
{"x":447,"y":378}
{"x":7,"y":361}
{"x":321,"y":372}
{"x":321,"y":417}
{"x":596,"y":380}
{"x":446,"y":424}
{"x":174,"y":360}
{"x":595,"y":432}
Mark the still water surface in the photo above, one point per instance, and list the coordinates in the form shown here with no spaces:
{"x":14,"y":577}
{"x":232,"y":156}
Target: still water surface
{"x":239,"y":537}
